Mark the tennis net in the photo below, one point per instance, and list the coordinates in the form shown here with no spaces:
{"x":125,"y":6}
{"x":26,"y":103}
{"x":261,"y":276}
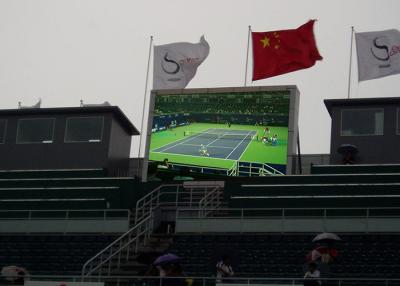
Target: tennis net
{"x":223,"y":136}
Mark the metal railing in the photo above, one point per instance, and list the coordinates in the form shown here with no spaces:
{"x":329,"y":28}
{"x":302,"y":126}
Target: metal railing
{"x":206,"y":170}
{"x":250,"y":169}
{"x":212,"y":200}
{"x":291,"y":220}
{"x":120,"y":248}
{"x":285,"y":213}
{"x":79,"y":214}
{"x":171,"y":195}
{"x":205,"y":281}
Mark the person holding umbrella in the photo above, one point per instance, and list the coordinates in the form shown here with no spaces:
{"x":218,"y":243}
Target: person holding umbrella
{"x":15,"y":274}
{"x":170,"y":268}
{"x":326,"y":251}
{"x":311,"y":278}
{"x":224,"y":269}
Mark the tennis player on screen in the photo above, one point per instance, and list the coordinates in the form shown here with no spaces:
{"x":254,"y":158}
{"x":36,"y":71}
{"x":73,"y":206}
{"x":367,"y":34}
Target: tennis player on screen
{"x":203,"y":151}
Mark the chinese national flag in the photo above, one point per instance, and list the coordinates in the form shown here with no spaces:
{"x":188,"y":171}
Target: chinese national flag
{"x":280,"y":52}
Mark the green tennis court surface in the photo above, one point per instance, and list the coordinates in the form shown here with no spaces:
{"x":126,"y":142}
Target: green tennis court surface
{"x":225,"y":145}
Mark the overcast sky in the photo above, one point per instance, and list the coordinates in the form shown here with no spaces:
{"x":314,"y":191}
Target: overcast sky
{"x":96,"y":50}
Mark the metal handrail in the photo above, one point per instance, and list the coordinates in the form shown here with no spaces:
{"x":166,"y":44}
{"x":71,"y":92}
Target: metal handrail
{"x":153,"y":200}
{"x":204,"y":200}
{"x":264,"y":168}
{"x":204,"y":279}
{"x":283,"y":212}
{"x":144,"y":215}
{"x":318,"y":185}
{"x":142,"y":203}
{"x":212,"y":199}
{"x":115,"y":243}
{"x":67,"y":212}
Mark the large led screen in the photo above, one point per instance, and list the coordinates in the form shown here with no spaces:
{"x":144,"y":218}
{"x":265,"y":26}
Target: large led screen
{"x":221,"y":133}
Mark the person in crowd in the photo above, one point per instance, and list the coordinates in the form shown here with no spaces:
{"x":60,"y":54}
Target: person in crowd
{"x":154,"y":271}
{"x":311,"y":278}
{"x":274,"y":140}
{"x":267,"y":132}
{"x":174,"y":276}
{"x":224,"y":269}
{"x":23,"y":275}
{"x":164,"y":164}
{"x":184,"y":175}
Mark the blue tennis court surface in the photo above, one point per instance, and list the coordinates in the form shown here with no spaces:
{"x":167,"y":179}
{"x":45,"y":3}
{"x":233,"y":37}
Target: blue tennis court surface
{"x":220,"y":143}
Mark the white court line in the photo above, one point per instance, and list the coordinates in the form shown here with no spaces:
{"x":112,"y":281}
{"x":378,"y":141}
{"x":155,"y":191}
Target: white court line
{"x":214,"y":141}
{"x":183,"y":141}
{"x":195,"y":145}
{"x":244,"y":151}
{"x":238,"y":145}
{"x":214,"y":158}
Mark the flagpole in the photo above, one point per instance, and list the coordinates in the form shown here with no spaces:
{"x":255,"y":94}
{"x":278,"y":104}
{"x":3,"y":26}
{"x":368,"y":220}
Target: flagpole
{"x":247,"y":55}
{"x":351,"y":61}
{"x":144,"y":99}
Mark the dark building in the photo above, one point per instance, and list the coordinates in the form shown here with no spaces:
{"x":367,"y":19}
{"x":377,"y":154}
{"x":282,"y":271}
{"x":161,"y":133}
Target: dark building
{"x":97,"y":137}
{"x":370,"y":124}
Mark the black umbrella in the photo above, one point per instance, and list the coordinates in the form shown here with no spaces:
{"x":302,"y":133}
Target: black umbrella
{"x":347,"y":148}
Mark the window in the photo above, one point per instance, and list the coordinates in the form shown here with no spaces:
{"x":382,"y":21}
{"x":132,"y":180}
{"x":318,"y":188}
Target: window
{"x":84,"y":129}
{"x":3,"y":128}
{"x":35,"y":130}
{"x":362,"y":122}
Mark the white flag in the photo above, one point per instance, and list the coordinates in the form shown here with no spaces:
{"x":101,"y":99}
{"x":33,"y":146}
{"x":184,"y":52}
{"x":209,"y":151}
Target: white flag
{"x":378,"y":54}
{"x":176,"y":64}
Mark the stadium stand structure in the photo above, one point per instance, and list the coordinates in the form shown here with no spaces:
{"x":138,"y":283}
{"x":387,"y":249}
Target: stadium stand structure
{"x":157,"y":212}
{"x":283,"y":255}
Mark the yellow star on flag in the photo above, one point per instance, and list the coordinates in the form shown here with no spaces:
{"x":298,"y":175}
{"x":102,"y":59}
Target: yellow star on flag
{"x":265,"y":42}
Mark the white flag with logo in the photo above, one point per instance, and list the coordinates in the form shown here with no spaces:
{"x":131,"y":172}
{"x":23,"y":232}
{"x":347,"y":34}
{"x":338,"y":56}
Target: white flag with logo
{"x":378,"y":54}
{"x":176,"y":64}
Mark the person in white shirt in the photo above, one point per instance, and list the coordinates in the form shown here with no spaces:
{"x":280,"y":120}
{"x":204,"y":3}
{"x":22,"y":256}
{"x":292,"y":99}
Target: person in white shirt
{"x":203,"y":151}
{"x":311,"y":278}
{"x":164,"y":164}
{"x":224,"y":269}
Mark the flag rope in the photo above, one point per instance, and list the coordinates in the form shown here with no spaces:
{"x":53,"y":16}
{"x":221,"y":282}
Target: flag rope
{"x":247,"y":55}
{"x":351,"y":62}
{"x":144,"y":98}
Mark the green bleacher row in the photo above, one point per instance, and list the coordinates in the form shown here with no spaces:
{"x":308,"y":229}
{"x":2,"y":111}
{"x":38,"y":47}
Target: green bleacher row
{"x":68,"y":189}
{"x":91,"y":189}
{"x":79,"y":173}
{"x":355,"y":169}
{"x":306,"y":203}
{"x":354,"y":186}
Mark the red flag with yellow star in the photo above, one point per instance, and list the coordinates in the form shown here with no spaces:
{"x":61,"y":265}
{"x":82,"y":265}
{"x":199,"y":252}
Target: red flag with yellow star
{"x":280,"y":52}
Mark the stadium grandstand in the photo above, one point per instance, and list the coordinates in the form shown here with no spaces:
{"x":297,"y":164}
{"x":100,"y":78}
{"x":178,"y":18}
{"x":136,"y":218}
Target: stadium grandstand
{"x":90,"y":219}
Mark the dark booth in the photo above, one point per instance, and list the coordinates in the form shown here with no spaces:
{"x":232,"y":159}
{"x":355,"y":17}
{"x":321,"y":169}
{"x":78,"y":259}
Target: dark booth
{"x":369,"y":126}
{"x":96,"y":137}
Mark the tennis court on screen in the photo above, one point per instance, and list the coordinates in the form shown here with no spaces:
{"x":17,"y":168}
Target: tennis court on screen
{"x":226,"y":144}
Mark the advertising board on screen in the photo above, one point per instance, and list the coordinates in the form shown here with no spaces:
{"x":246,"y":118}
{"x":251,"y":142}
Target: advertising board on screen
{"x":222,"y":132}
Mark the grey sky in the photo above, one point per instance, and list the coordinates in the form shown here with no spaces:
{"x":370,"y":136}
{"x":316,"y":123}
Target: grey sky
{"x":96,"y":50}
